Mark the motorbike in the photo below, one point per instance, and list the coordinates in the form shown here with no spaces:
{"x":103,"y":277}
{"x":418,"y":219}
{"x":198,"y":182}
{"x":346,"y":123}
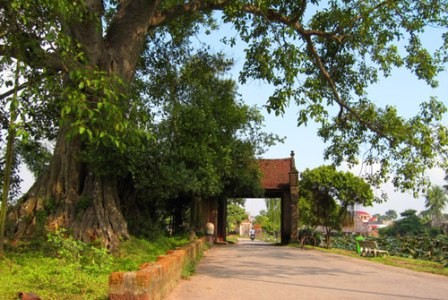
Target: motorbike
{"x":252,"y":236}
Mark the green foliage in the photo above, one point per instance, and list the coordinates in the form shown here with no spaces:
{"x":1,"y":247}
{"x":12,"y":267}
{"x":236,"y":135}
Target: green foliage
{"x":16,"y":180}
{"x":147,"y":224}
{"x":237,"y":201}
{"x":263,"y":220}
{"x":34,"y":154}
{"x":50,"y":279}
{"x":322,"y":55}
{"x":69,"y":269}
{"x":109,"y":122}
{"x":273,"y":212}
{"x":271,"y":227}
{"x":50,"y":205}
{"x":75,"y":271}
{"x":391,"y":214}
{"x":338,"y":49}
{"x":89,"y":258}
{"x":436,"y":201}
{"x":206,"y":138}
{"x":308,"y":236}
{"x":344,"y":242}
{"x":9,"y":161}
{"x":410,"y":224}
{"x":188,"y":270}
{"x":423,"y":247}
{"x":327,"y":197}
{"x":235,"y":215}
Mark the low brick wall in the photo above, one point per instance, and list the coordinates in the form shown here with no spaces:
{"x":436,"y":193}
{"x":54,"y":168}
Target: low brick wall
{"x":154,"y":280}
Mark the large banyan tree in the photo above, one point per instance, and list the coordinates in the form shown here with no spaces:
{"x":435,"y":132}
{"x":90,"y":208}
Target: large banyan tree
{"x":79,"y":62}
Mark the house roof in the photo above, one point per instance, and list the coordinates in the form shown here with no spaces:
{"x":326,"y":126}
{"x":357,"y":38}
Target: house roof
{"x":275,"y":172}
{"x":360,"y":212}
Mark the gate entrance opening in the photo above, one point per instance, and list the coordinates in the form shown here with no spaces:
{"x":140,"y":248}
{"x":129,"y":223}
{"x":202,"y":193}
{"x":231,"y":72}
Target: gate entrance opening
{"x":269,"y":207}
{"x":280,"y":179}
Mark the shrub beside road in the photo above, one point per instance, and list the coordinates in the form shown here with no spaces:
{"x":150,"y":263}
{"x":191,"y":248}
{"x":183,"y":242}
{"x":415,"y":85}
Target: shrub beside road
{"x":406,"y":252}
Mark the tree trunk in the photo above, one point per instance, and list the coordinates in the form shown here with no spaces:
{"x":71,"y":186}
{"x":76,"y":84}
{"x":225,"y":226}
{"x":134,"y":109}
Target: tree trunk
{"x":67,"y":195}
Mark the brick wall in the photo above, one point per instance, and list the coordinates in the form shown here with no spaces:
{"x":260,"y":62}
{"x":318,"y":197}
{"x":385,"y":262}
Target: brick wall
{"x":154,"y":280}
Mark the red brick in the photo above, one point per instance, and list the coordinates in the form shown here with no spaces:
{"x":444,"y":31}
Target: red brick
{"x":154,"y":280}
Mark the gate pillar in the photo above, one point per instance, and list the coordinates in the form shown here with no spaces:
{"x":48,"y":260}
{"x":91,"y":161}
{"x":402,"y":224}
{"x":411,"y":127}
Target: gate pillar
{"x":222,"y":220}
{"x":289,"y":205}
{"x":294,"y":198}
{"x":286,"y":218}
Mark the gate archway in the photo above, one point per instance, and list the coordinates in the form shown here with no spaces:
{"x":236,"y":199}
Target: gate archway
{"x":280,"y":179}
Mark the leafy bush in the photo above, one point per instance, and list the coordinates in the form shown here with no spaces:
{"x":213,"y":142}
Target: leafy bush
{"x":310,"y":237}
{"x":423,"y":246}
{"x":80,"y":255}
{"x":346,"y":242}
{"x":410,"y":224}
{"x":419,"y":247}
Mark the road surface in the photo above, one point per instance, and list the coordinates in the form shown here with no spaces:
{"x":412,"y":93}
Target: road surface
{"x":256,"y":270}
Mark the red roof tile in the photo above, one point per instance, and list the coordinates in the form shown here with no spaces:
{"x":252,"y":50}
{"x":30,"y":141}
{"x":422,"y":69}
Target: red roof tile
{"x":275,"y":172}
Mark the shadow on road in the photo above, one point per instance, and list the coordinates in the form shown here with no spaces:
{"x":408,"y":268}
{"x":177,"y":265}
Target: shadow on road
{"x":259,"y":270}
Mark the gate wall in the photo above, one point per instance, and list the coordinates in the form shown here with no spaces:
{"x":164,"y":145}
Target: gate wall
{"x":280,"y":179}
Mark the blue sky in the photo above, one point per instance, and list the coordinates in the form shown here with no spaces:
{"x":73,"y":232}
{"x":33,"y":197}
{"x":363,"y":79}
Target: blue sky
{"x":401,"y":89}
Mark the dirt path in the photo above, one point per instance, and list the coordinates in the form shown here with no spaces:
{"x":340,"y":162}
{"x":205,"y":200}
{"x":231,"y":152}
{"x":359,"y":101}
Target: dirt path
{"x":255,"y":270}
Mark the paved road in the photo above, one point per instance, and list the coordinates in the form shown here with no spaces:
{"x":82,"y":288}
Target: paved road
{"x":254,"y":270}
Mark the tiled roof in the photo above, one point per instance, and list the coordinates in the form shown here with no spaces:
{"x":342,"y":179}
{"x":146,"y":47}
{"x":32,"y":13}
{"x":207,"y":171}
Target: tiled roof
{"x":275,"y":173}
{"x":359,"y":212}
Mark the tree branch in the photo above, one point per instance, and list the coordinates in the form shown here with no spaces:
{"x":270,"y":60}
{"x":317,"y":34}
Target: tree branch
{"x":127,"y":33}
{"x":33,"y":55}
{"x":165,"y":16}
{"x":271,"y":15}
{"x":12,"y":91}
{"x":339,"y":100}
{"x":88,"y":30}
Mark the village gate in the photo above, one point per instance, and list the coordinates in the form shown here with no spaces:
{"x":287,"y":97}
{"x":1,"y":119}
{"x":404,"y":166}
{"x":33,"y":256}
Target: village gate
{"x":280,"y":179}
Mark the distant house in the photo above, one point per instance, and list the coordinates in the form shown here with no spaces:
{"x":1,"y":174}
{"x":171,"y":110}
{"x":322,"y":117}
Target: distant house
{"x":363,"y":216}
{"x":245,"y":226}
{"x":258,"y":229}
{"x":364,"y":223}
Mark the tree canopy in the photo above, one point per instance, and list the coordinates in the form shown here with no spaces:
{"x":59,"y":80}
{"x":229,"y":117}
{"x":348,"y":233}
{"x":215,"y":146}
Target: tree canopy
{"x":317,"y":53}
{"x":273,"y":212}
{"x":409,"y":224}
{"x":89,"y":82}
{"x":235,"y":215}
{"x":328,"y":197}
{"x":436,"y":201}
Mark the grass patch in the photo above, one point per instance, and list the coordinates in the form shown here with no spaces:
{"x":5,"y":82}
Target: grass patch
{"x":49,"y":278}
{"x":413,"y":264}
{"x":396,"y":261}
{"x":232,"y":238}
{"x":51,"y":275}
{"x":189,"y":269}
{"x":134,"y":252}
